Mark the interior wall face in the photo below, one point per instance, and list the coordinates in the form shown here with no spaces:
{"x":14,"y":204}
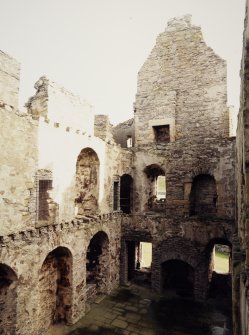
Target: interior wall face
{"x":8,"y":300}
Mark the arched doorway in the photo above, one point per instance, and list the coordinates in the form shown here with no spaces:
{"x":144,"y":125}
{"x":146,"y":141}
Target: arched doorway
{"x":126,"y":185}
{"x":219,"y":268}
{"x":55,"y":287}
{"x":8,"y":295}
{"x":203,"y":196}
{"x":97,"y":264}
{"x":178,"y":276}
{"x":87,"y":182}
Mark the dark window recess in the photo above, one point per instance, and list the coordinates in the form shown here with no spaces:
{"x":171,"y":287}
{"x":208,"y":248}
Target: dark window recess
{"x":115,"y":195}
{"x":44,"y":187}
{"x":126,"y":193}
{"x":162,"y":133}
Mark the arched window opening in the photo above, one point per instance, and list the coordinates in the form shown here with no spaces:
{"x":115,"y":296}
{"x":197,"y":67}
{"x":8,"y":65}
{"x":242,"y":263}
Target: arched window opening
{"x":178,"y":276}
{"x":87,"y":182}
{"x":126,"y":187}
{"x":203,"y":196}
{"x":8,"y":295}
{"x":139,"y":262}
{"x":55,"y":287}
{"x":156,"y":187}
{"x":97,"y":264}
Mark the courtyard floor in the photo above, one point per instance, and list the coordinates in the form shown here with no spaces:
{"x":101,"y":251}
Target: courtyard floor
{"x":135,"y":310}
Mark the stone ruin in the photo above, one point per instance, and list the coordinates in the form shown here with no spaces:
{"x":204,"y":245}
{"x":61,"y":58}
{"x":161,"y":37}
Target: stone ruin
{"x":79,"y":198}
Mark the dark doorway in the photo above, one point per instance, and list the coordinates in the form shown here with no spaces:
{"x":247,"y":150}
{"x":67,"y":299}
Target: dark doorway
{"x":8,"y":286}
{"x":178,"y":276}
{"x":97,"y":262}
{"x":126,"y":183}
{"x":55,"y":286}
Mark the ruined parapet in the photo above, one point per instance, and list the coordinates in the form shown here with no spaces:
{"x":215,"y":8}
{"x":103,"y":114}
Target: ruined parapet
{"x":56,"y":104}
{"x":181,"y":87}
{"x":124,"y":133}
{"x":102,"y":127}
{"x":9,"y":81}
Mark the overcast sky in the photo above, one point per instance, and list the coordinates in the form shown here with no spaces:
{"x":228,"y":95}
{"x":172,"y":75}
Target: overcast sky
{"x":95,"y":48}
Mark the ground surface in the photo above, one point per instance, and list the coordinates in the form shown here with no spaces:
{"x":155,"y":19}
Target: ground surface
{"x":137,"y":311}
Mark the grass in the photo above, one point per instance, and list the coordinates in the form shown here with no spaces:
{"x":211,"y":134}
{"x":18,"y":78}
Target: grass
{"x":221,"y":262}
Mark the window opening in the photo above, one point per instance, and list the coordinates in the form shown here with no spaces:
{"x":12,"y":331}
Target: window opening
{"x":129,"y":141}
{"x":156,"y":188}
{"x":162,"y":133}
{"x":43,"y":209}
{"x":126,"y":182}
{"x":221,"y":257}
{"x":160,"y":188}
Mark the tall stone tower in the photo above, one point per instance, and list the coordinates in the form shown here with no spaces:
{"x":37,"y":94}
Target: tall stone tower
{"x":184,"y":160}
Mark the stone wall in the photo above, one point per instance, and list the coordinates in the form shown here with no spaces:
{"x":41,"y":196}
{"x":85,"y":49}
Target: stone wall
{"x":176,"y":86}
{"x":241,"y":229}
{"x":25,"y":253}
{"x":9,"y":82}
{"x":182,"y":135}
{"x":43,"y":240}
{"x":187,"y":239}
{"x":18,"y":163}
{"x":56,"y":104}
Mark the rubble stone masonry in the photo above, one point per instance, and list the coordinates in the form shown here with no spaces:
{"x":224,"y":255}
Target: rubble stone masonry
{"x":65,"y":175}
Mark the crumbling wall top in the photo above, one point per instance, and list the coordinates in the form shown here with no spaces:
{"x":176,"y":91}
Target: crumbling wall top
{"x":53,"y":102}
{"x":179,"y":22}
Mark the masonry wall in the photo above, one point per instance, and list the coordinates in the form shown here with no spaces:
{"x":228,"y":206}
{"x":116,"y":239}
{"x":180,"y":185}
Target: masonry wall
{"x":179,"y":89}
{"x":38,"y":148}
{"x":9,"y":82}
{"x":181,"y":134}
{"x":23,"y":253}
{"x":240,"y":256}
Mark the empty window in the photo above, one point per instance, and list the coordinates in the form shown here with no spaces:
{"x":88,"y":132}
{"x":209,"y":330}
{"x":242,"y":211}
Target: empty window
{"x":221,"y":258}
{"x":43,"y":209}
{"x":129,"y":141}
{"x":162,"y":133}
{"x":145,"y":255}
{"x":160,"y":187}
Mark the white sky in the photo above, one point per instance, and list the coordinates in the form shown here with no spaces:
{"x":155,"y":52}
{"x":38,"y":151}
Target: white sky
{"x":95,"y":48}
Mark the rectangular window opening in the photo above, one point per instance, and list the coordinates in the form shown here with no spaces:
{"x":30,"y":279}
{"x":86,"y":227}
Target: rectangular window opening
{"x":162,"y":133}
{"x":43,"y":209}
{"x":129,"y":141}
{"x":161,"y":188}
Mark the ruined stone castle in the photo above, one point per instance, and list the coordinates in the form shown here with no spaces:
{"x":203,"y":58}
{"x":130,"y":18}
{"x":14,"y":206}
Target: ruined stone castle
{"x":80,"y":199}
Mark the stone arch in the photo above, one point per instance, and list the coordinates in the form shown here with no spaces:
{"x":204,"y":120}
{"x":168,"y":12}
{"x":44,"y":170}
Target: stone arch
{"x":203,"y":196}
{"x":183,"y":250}
{"x":155,"y":196}
{"x":8,"y":299}
{"x":97,"y":264}
{"x":55,"y":288}
{"x":87,"y":182}
{"x":126,"y":193}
